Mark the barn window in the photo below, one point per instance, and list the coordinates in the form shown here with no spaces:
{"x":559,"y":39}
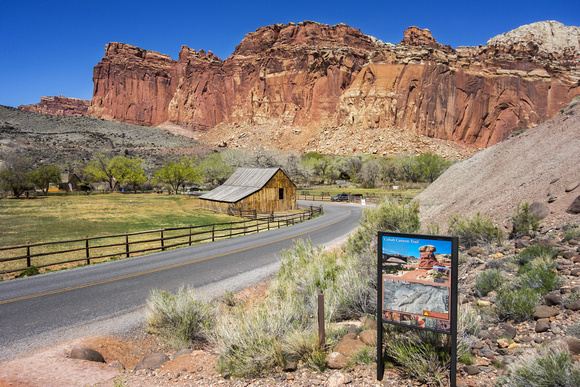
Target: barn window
{"x":281,"y":193}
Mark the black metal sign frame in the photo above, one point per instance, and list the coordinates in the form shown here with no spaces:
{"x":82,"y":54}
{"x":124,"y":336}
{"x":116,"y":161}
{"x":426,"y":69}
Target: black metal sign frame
{"x":423,"y":269}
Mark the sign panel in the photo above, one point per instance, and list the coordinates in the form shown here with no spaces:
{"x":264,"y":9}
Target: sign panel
{"x":417,"y":285}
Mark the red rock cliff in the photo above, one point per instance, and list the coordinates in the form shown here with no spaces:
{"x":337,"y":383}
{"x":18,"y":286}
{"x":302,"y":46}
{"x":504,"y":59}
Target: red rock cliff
{"x":59,"y":106}
{"x":314,"y":75}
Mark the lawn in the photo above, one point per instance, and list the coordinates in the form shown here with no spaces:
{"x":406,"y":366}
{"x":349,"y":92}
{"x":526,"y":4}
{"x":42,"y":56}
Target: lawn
{"x":61,"y":217}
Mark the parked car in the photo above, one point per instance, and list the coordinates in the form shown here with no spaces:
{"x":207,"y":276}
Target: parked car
{"x":340,"y":198}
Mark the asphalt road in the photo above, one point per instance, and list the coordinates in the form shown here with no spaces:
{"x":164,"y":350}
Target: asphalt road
{"x":39,"y":310}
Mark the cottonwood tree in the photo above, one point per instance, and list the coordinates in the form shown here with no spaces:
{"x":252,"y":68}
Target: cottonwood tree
{"x":43,"y":176}
{"x":116,"y":170}
{"x":177,"y":174}
{"x":15,"y":176}
{"x":215,"y":168}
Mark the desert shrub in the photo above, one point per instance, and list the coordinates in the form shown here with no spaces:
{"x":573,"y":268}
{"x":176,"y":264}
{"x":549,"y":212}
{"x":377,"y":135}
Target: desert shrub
{"x":533,"y":252}
{"x":571,"y":232}
{"x":524,"y":222}
{"x":487,"y":281}
{"x":475,"y":231}
{"x":466,"y":359}
{"x":180,"y":319}
{"x":423,"y":355}
{"x":539,"y":275}
{"x":468,"y":322}
{"x":305,"y":346}
{"x":547,"y":367}
{"x":29,"y":272}
{"x":574,"y":330}
{"x":365,"y":356}
{"x":250,"y":341}
{"x":518,"y":304}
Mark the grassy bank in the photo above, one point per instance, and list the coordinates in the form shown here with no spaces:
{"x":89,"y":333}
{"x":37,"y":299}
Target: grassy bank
{"x":75,"y":216}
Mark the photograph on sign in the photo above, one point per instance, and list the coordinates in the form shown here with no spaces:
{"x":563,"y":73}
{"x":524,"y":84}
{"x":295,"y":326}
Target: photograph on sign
{"x":416,"y":276}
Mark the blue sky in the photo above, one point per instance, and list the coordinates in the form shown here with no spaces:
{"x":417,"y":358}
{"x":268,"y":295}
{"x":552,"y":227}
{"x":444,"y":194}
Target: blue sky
{"x":50,"y":47}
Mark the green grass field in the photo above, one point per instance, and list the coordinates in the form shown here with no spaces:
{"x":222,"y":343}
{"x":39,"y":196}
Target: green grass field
{"x":335,"y":190}
{"x":63,"y":217}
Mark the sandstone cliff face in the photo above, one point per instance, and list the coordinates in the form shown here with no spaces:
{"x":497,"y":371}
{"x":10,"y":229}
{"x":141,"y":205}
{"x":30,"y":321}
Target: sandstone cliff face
{"x":306,"y":76}
{"x":59,"y":106}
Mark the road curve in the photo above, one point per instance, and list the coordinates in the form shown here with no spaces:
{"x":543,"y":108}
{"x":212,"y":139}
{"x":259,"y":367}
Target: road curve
{"x":36,"y":311}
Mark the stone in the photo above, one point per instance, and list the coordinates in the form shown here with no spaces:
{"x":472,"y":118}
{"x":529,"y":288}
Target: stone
{"x":544,"y":311}
{"x":368,"y":322}
{"x":539,"y":210}
{"x":348,"y":346}
{"x":337,"y":379}
{"x":569,"y":254}
{"x":471,"y":369}
{"x":117,"y":364}
{"x":152,"y":361}
{"x":574,"y":207}
{"x":502,"y":343}
{"x":369,"y":337}
{"x":336,"y":360}
{"x":573,"y":345}
{"x":575,"y":305}
{"x":552,"y":299}
{"x":508,"y":331}
{"x":182,"y":352}
{"x":290,"y":366}
{"x":474,"y":251}
{"x":542,"y":326}
{"x":575,"y":272}
{"x":88,"y":354}
{"x":522,"y":243}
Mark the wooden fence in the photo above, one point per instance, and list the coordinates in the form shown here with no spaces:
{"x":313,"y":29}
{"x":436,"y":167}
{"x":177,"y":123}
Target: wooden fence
{"x":94,"y":249}
{"x":327,"y":198}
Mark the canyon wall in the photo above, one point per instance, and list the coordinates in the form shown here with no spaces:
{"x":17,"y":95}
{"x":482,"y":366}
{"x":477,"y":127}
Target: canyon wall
{"x":310,"y":75}
{"x":59,"y":106}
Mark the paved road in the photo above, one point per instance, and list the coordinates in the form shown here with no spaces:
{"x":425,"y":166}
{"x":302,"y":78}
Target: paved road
{"x":38,"y":310}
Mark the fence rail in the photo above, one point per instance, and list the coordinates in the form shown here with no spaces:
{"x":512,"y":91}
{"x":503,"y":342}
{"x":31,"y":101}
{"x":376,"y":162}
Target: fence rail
{"x":18,"y":258}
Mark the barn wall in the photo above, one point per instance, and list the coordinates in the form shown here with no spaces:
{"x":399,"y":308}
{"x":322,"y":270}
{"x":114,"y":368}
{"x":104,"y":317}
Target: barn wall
{"x":265,"y":200}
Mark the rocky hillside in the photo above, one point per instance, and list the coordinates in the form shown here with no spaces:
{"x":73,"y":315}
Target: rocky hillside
{"x":541,"y":166}
{"x":67,"y":140}
{"x":320,"y":81}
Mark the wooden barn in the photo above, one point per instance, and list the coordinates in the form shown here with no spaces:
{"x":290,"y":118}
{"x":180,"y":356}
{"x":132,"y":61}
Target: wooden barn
{"x":259,"y":189}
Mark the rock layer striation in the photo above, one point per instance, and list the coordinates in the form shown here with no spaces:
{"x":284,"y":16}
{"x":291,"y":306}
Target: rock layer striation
{"x":303,"y":77}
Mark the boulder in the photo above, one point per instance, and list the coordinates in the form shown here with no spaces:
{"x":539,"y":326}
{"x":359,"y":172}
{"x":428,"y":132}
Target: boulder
{"x":336,"y":360}
{"x":539,"y":210}
{"x":573,"y":345}
{"x":152,"y":361}
{"x":542,"y":326}
{"x":349,"y":346}
{"x":574,"y":207}
{"x":544,"y":311}
{"x":337,"y":379}
{"x":575,"y":305}
{"x":84,"y":353}
{"x":369,"y":337}
{"x":552,"y":299}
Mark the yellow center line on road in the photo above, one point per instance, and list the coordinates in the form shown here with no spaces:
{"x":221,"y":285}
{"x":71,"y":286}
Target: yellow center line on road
{"x":167,"y":267}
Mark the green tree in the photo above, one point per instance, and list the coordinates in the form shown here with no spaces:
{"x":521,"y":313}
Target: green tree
{"x":15,"y":176}
{"x":429,"y":166}
{"x":44,"y":176}
{"x":128,"y":171}
{"x":176,"y":174}
{"x":214,"y":168}
{"x":116,"y":170}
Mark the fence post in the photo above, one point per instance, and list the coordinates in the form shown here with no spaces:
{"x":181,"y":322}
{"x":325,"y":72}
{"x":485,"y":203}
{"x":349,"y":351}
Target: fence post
{"x":244,"y":226}
{"x":127,"y":245}
{"x":257,"y":225}
{"x":213,"y":232}
{"x":28,"y":254}
{"x":87,"y":252}
{"x":230,"y":230}
{"x":162,"y":241}
{"x":190,"y":234}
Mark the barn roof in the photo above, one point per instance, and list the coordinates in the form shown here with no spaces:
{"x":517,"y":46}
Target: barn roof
{"x":242,"y":183}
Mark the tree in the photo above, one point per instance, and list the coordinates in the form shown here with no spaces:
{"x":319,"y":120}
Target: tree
{"x":15,"y":176}
{"x":116,"y":170}
{"x":430,"y":166}
{"x":42,"y":177}
{"x":100,"y":169}
{"x":176,"y":174}
{"x":128,"y":171}
{"x":214,"y":168}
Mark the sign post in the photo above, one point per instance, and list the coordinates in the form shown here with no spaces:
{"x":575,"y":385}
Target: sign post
{"x":417,"y":287}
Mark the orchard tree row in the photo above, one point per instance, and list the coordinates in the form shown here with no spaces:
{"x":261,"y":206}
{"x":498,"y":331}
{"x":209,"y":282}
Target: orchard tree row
{"x":114,"y":173}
